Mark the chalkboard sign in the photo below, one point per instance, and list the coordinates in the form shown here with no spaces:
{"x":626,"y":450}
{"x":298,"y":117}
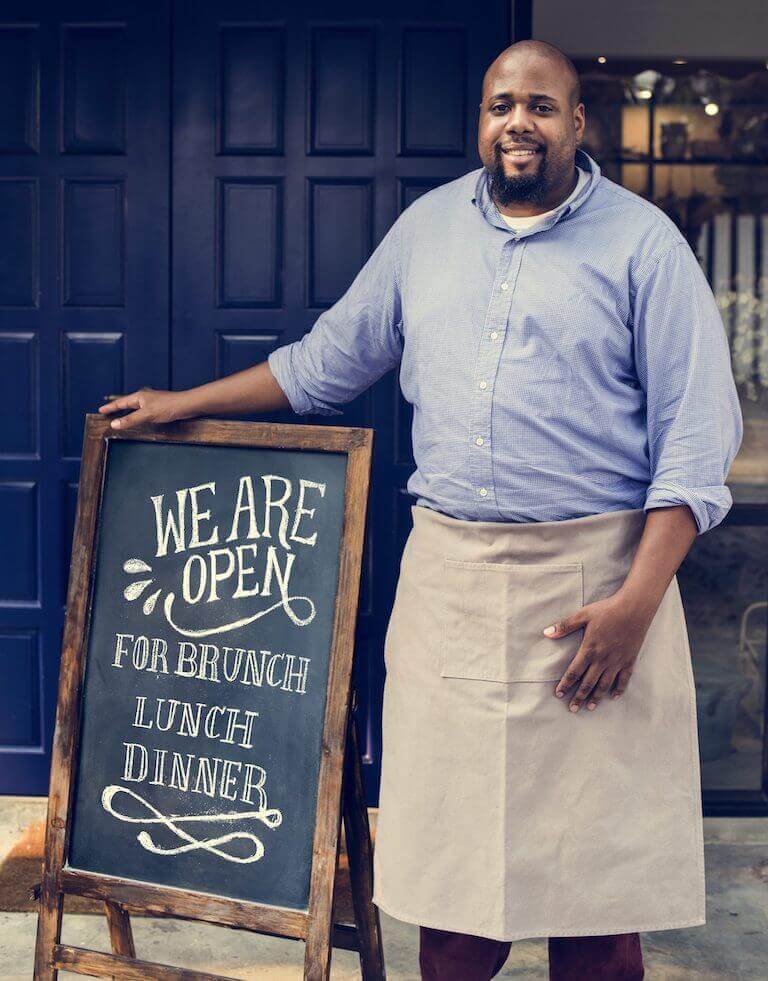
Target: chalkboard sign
{"x":206,"y":670}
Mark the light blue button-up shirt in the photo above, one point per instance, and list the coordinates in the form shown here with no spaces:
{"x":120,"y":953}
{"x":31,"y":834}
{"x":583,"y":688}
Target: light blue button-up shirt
{"x":571,"y":368}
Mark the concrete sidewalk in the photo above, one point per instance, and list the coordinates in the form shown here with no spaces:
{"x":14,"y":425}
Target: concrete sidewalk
{"x":733,"y":943}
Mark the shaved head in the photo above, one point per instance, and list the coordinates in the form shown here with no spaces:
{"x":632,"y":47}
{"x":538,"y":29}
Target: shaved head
{"x":561,"y":63}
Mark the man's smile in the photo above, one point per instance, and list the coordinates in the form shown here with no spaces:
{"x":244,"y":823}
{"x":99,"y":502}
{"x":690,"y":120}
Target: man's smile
{"x":520,"y":153}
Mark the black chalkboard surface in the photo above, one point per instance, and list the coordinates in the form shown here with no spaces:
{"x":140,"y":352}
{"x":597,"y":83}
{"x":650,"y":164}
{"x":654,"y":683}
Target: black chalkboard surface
{"x":206,"y":669}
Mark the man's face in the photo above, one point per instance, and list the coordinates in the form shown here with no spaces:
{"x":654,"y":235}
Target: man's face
{"x":528,"y":133}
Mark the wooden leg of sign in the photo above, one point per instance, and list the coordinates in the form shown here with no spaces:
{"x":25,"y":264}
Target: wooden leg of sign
{"x":360,"y":855}
{"x":48,"y":928}
{"x":120,"y":933}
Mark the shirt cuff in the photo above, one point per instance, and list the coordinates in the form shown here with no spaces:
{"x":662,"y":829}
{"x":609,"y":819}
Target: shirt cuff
{"x":281,"y":365}
{"x":708,"y":504}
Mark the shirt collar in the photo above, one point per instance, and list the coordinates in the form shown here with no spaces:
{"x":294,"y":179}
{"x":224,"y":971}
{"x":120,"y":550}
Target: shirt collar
{"x":482,"y":199}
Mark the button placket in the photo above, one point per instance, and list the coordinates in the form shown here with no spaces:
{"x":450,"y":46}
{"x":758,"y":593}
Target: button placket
{"x":486,"y":369}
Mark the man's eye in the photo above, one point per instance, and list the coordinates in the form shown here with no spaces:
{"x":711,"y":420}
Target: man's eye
{"x":543,"y":106}
{"x":500,"y":105}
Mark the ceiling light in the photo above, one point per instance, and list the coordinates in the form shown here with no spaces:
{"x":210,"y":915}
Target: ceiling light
{"x":711,"y":108}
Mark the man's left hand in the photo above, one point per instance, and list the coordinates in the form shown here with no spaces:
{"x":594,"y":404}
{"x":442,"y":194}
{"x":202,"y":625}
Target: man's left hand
{"x":615,"y":628}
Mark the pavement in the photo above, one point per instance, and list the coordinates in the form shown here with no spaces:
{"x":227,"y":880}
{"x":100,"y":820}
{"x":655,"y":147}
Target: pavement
{"x":732,"y":945}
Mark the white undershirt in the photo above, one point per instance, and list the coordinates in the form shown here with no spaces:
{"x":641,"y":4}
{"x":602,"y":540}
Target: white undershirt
{"x":519,"y":222}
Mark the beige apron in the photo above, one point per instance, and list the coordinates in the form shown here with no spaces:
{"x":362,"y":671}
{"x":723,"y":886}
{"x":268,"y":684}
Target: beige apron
{"x":501,"y":813}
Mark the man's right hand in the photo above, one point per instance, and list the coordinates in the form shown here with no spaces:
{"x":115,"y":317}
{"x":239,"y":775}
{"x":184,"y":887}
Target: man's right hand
{"x":252,"y":390}
{"x":149,"y":405}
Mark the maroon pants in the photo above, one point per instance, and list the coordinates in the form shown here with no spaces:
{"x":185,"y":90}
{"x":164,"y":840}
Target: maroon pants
{"x":446,"y":956}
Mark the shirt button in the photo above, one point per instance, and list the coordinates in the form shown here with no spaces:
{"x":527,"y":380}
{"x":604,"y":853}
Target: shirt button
{"x":483,"y":384}
{"x":479,"y":440}
{"x":494,"y":335}
{"x":505,"y":286}
{"x":483,"y":492}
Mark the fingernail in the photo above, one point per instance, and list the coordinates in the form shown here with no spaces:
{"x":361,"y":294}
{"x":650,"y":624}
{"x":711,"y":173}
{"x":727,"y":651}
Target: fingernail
{"x":574,"y":708}
{"x":615,"y":694}
{"x":591,"y":705}
{"x":550,"y":630}
{"x":560,"y":694}
{"x":115,"y":423}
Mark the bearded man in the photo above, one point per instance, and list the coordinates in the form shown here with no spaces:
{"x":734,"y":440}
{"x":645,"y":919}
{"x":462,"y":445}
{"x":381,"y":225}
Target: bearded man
{"x":575,"y":417}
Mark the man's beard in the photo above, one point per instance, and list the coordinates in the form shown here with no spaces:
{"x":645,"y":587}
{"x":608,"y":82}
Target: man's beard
{"x":531,"y":188}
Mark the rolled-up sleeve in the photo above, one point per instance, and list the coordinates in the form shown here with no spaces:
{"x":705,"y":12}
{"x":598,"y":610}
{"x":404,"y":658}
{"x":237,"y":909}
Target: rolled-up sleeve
{"x":694,"y":420}
{"x":352,"y":344}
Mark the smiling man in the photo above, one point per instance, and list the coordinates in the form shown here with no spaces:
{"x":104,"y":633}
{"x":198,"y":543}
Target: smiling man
{"x":575,"y":417}
{"x":531,"y":169}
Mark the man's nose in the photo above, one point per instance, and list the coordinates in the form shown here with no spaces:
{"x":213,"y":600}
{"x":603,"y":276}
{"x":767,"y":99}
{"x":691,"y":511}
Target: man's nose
{"x":518,"y":121}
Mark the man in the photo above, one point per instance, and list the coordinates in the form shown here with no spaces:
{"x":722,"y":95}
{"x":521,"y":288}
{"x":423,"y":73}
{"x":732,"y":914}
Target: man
{"x":575,"y":417}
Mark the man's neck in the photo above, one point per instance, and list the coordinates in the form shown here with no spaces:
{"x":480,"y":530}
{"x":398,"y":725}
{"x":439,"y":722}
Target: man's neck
{"x":522,"y":209}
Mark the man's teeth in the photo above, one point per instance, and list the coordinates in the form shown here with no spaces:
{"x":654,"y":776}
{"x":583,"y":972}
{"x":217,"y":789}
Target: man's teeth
{"x":520,"y":153}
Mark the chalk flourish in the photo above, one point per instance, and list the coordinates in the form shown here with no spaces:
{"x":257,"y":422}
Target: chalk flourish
{"x":285,"y":603}
{"x":272,"y":817}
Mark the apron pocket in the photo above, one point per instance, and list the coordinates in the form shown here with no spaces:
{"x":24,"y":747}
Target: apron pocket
{"x":493,"y":615}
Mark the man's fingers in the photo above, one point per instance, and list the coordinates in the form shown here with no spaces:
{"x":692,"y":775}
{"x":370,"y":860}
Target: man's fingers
{"x":120,"y":403}
{"x":572,"y":675}
{"x":594,"y":683}
{"x":586,"y":685}
{"x":601,"y":689}
{"x":109,"y":407}
{"x":622,"y":680}
{"x":567,"y":625}
{"x":132,"y":420}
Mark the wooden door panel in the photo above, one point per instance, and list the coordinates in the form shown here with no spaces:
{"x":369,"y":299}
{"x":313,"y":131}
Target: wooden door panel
{"x":84,"y":149}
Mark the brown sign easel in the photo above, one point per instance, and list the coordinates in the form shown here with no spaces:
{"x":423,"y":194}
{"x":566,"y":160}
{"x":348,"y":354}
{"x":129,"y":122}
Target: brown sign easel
{"x":339,"y":785}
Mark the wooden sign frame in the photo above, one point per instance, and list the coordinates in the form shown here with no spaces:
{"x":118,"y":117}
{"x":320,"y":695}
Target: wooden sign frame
{"x":339,"y":761}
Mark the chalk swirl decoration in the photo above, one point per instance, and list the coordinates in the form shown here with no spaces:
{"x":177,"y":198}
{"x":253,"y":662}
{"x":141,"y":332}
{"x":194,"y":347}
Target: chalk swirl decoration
{"x":134,"y":590}
{"x":272,"y":817}
{"x":244,"y":621}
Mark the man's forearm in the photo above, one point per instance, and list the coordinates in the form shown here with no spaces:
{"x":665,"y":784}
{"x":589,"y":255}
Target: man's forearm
{"x":252,"y":390}
{"x":667,"y":537}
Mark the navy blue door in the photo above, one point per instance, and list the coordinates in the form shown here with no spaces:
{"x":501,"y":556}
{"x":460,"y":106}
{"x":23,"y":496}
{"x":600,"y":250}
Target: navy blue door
{"x":298,"y":138}
{"x":84,"y":272}
{"x":164,"y":230}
